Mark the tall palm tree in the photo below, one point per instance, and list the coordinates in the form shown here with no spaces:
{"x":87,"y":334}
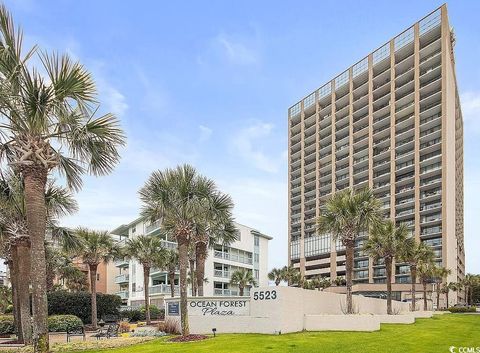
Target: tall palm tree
{"x":347,"y":214}
{"x":169,"y":263}
{"x":215,"y":227}
{"x":13,"y":228}
{"x":276,"y":275}
{"x":95,"y":248}
{"x":192,"y":271}
{"x":180,"y":197}
{"x":243,"y":278}
{"x":439,"y":275}
{"x":414,"y":253}
{"x":147,"y":250}
{"x":425,"y":272}
{"x":47,"y":124}
{"x":385,"y":242}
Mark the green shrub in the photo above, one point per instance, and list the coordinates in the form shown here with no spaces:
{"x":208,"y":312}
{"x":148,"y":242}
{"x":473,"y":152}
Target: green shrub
{"x":64,"y":323}
{"x":79,"y":304}
{"x":9,"y":309}
{"x":132,"y":315}
{"x":155,"y":312}
{"x":462,"y":309}
{"x":7,"y":325}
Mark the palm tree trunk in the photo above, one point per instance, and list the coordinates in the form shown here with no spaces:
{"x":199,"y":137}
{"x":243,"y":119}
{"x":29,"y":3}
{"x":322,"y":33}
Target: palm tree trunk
{"x":35,"y":179}
{"x":388,"y":267}
{"x":193,"y":277}
{"x":146,"y":292}
{"x":183,"y":264}
{"x":349,"y":275}
{"x":13,"y":267}
{"x":438,"y":296}
{"x":171,"y":279}
{"x":413,"y":276}
{"x":424,"y":295}
{"x":446,"y":297}
{"x":93,"y":291}
{"x":240,"y":288}
{"x":201,"y":253}
{"x":23,"y":288}
{"x":470,"y":290}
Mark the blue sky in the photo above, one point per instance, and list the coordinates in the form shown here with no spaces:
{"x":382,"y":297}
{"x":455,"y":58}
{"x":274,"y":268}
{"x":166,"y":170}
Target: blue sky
{"x":210,"y":85}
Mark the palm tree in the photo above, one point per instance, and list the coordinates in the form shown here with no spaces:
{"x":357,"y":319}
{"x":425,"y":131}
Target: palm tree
{"x":192,"y":271}
{"x":439,"y":274}
{"x":147,"y":250}
{"x":215,"y":227}
{"x":347,"y":214}
{"x":446,"y":288}
{"x":468,"y":283}
{"x":95,"y":248}
{"x":425,"y":272}
{"x":61,"y":266}
{"x":276,"y":275}
{"x":414,"y":253}
{"x":339,"y":281}
{"x":13,"y":229}
{"x":48,"y":124}
{"x":291,"y":275}
{"x":181,"y":198}
{"x":385,"y":242}
{"x":321,"y":283}
{"x":169,"y":263}
{"x":243,"y":278}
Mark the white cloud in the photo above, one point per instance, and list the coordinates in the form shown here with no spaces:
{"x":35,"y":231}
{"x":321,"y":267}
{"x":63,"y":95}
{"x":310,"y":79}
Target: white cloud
{"x":205,"y":133}
{"x":246,"y":144}
{"x":112,"y":98}
{"x":236,"y":51}
{"x":470,"y":102}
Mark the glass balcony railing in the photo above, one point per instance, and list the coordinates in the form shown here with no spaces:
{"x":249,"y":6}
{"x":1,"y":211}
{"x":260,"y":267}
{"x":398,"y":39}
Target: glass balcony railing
{"x":122,"y":278}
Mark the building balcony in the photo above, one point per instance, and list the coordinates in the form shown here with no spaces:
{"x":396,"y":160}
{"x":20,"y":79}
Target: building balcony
{"x":152,"y":227}
{"x":121,"y":263}
{"x":122,"y":278}
{"x":163,"y":289}
{"x":122,"y":294}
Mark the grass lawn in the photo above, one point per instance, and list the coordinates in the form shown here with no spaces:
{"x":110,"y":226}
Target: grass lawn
{"x":426,"y":335}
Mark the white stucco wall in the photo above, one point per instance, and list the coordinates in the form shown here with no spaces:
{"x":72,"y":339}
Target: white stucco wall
{"x":295,"y":309}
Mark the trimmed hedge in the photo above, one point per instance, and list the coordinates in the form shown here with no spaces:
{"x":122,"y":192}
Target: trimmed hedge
{"x":64,"y":323}
{"x":462,"y":309}
{"x":79,"y":304}
{"x":7,"y":325}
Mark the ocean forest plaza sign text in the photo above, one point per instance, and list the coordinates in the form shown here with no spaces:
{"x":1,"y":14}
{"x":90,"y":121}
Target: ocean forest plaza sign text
{"x":220,"y":307}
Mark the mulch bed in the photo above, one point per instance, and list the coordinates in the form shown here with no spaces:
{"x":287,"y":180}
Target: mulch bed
{"x":189,"y":338}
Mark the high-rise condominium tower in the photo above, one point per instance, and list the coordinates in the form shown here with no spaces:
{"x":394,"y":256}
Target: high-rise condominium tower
{"x":391,"y":122}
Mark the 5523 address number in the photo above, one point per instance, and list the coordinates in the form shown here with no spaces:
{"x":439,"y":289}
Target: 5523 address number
{"x":265,"y":295}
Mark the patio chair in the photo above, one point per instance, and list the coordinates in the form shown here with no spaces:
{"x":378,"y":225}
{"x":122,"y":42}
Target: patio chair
{"x":76,"y":332}
{"x":101,"y":332}
{"x":112,"y":330}
{"x":108,"y":331}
